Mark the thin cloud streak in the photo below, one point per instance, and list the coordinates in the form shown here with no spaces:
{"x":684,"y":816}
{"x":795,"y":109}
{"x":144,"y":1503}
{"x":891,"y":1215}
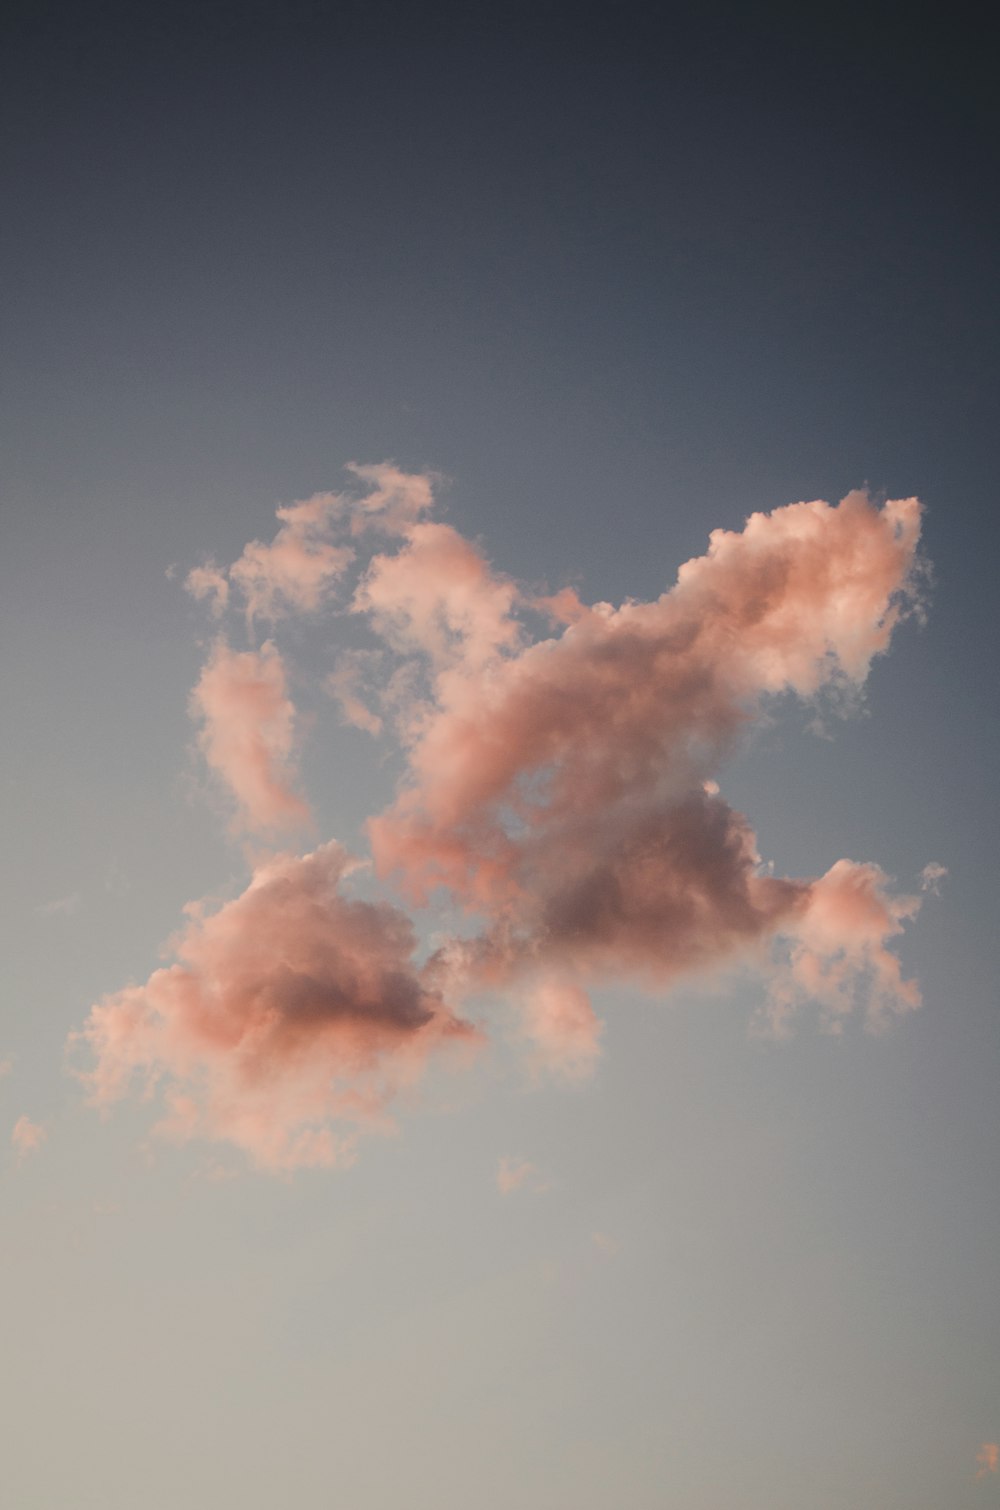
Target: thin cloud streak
{"x":60,"y":906}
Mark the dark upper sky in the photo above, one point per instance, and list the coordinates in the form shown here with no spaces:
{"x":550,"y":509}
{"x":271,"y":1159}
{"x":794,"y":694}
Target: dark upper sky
{"x":759,"y":243}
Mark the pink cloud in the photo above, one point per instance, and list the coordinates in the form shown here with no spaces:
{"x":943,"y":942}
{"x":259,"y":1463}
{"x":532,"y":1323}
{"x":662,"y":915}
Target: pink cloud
{"x":516,"y":1174}
{"x":296,"y":570}
{"x":27,"y":1136}
{"x":396,"y":499}
{"x":439,"y":596}
{"x":299,"y":566}
{"x":988,"y":1459}
{"x":209,"y":583}
{"x":565,"y":790}
{"x":290,"y":1018}
{"x":562,"y":790}
{"x":838,"y":949}
{"x":562,"y":1029}
{"x":248,"y":735}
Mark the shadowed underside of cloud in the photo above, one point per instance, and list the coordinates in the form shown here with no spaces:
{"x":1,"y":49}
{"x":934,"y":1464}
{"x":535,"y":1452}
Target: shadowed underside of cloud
{"x":290,"y":1007}
{"x":564,"y":789}
{"x":561,"y":788}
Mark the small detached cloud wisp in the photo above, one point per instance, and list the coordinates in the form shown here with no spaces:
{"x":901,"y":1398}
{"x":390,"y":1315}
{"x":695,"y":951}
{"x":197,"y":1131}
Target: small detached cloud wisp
{"x":27,"y":1137}
{"x":518,"y":1174}
{"x":560,"y":788}
{"x":988,"y":1459}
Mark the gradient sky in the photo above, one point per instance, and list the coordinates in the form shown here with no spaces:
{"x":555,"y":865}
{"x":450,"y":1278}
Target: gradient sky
{"x":616,"y":282}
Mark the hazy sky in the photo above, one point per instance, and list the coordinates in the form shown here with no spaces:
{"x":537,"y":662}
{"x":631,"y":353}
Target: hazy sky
{"x":484,"y":1019}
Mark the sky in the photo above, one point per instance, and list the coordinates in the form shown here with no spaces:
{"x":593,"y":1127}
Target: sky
{"x":499,"y":803}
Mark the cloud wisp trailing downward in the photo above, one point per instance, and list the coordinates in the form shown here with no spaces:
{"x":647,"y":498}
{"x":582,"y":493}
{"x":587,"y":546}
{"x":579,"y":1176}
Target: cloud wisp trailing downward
{"x":247,"y":734}
{"x":560,"y":786}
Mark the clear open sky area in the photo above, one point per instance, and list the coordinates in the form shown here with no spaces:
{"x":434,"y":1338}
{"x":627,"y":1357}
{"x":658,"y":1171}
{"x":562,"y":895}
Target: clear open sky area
{"x":498,"y":980}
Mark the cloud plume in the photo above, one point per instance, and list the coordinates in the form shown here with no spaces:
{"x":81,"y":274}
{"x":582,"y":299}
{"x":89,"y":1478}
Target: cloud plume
{"x":560,"y":786}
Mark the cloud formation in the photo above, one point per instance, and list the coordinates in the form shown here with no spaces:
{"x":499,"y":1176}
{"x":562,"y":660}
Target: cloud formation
{"x":560,"y":787}
{"x":564,"y":788}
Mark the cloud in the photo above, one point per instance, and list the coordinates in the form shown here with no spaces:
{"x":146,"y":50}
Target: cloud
{"x":344,"y":684}
{"x":439,"y":596}
{"x":209,"y":583}
{"x":988,"y":1459}
{"x":6,"y":1066}
{"x":60,"y":906}
{"x":294,"y":572}
{"x":248,"y":735}
{"x":560,"y":788}
{"x":561,"y":1028}
{"x":931,"y":877}
{"x":518,"y":1174}
{"x":837,"y":949}
{"x":395,"y":500}
{"x":27,"y":1136}
{"x":566,"y":789}
{"x":288,"y":1015}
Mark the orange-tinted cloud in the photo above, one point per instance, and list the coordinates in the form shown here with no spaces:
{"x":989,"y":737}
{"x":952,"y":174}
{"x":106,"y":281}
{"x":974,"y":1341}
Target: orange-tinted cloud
{"x":247,"y":735}
{"x":296,"y":570}
{"x":290,"y":1017}
{"x":988,"y":1459}
{"x":516,"y":1174}
{"x":563,"y":790}
{"x":27,"y":1137}
{"x":561,"y":1028}
{"x":439,"y":596}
